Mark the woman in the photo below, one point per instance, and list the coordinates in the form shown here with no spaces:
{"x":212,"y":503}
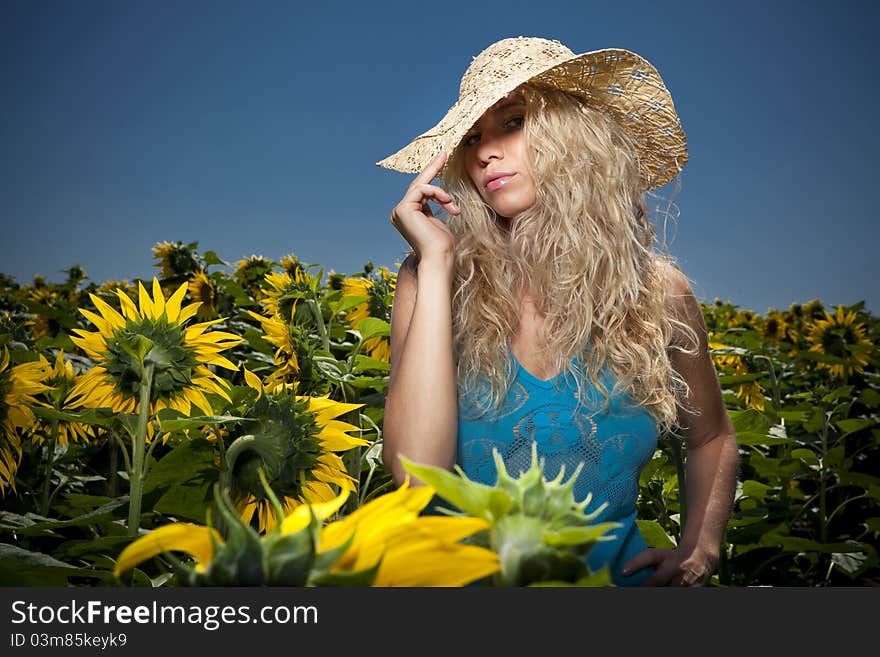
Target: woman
{"x":540,"y":313}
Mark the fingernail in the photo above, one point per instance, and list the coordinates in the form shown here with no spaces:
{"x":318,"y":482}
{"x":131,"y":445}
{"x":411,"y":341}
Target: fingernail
{"x":627,"y":571}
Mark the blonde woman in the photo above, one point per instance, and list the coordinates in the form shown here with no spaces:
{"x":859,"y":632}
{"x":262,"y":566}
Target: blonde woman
{"x":540,"y":311}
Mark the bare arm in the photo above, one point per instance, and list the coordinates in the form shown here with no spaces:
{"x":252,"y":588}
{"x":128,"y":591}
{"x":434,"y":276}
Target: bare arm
{"x":712,"y":458}
{"x":421,"y":410}
{"x":712,"y":453}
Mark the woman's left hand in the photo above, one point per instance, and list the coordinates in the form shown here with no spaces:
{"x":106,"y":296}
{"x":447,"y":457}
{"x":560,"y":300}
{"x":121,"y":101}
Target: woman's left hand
{"x":677,"y":567}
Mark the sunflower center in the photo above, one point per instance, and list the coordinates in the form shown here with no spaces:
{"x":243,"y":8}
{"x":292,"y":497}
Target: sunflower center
{"x":173,"y":360}
{"x":834,"y":340}
{"x":286,"y":446}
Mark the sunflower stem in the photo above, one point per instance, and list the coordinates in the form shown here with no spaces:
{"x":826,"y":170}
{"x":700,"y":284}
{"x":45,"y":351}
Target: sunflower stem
{"x":112,"y":479}
{"x":273,"y":499}
{"x":136,"y":474}
{"x":236,"y":448}
{"x":123,"y":449}
{"x":682,"y":480}
{"x":315,"y":307}
{"x":50,"y":463}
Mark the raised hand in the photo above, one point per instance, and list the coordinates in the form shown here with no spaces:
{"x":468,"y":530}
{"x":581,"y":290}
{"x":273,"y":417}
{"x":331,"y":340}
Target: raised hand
{"x":412,"y":217}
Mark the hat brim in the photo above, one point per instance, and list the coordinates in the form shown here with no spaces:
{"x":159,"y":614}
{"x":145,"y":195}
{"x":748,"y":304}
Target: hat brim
{"x":613,"y":80}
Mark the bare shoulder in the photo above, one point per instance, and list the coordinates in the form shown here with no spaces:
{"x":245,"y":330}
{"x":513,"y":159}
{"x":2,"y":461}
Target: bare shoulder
{"x":680,"y":298}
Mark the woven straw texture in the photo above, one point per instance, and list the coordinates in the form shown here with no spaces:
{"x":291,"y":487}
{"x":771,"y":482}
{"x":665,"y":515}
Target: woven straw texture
{"x":618,"y":82}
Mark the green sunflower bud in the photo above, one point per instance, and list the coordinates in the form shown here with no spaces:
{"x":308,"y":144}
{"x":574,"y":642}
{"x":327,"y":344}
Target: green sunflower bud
{"x":540,"y":533}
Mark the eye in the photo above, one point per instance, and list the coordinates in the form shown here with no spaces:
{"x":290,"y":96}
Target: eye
{"x":515,"y":123}
{"x":471,"y":139}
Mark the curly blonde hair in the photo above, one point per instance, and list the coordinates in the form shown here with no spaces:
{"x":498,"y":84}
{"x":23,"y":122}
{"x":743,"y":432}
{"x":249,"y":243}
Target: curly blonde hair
{"x":583,"y":252}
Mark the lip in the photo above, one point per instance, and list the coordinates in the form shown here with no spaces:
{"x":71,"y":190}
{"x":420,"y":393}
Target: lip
{"x":497,"y":180}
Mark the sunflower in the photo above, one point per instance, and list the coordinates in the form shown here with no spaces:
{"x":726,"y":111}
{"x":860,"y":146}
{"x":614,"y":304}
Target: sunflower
{"x":251,"y":273}
{"x":743,"y":318}
{"x":41,"y":326}
{"x":409,"y":549}
{"x":291,"y":264}
{"x":296,"y":440}
{"x":751,"y":392}
{"x":813,"y":310}
{"x":62,"y":379}
{"x":378,"y":293}
{"x":283,"y":335}
{"x":175,"y":259}
{"x":181,"y":355}
{"x":776,"y":327}
{"x":839,"y":335}
{"x":202,"y":291}
{"x":386,"y":542}
{"x":284,"y":291}
{"x":43,"y":301}
{"x":110,"y":287}
{"x":18,"y":385}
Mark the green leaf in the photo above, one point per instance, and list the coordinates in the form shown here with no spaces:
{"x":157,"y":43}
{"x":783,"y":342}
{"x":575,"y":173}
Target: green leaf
{"x":869,"y":483}
{"x":98,"y":417}
{"x":796,"y":544}
{"x":793,"y":416}
{"x":173,"y":420}
{"x":347,"y":302}
{"x":471,"y":497}
{"x":25,"y":557}
{"x":367,"y":364}
{"x":751,"y":438}
{"x":851,"y":426}
{"x":580,"y":535}
{"x":77,"y":504}
{"x":736,"y":379}
{"x":654,"y":534}
{"x":806,"y":455}
{"x":843,"y":392}
{"x":136,"y":345}
{"x":371,"y":327}
{"x":111,"y":511}
{"x":182,"y":481}
{"x":750,"y":421}
{"x":211,"y":258}
{"x":755,"y":489}
{"x":869,"y":397}
{"x":289,"y":559}
{"x":103,"y":544}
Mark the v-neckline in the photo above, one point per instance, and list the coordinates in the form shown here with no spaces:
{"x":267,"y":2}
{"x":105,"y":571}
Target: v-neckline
{"x":544,"y":383}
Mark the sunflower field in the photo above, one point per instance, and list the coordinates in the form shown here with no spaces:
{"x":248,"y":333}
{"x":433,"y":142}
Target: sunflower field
{"x":221,"y":424}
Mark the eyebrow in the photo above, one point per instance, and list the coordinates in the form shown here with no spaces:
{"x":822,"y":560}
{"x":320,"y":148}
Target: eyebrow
{"x":507,"y":102}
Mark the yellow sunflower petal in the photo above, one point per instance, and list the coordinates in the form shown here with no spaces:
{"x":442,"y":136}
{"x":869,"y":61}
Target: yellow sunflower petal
{"x":158,"y":299}
{"x":172,"y":306}
{"x":426,"y":563}
{"x":128,"y":308}
{"x":181,"y":537}
{"x":145,"y":303}
{"x":322,"y":510}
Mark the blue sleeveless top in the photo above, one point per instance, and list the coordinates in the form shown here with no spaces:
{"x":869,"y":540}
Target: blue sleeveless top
{"x":614,"y":444}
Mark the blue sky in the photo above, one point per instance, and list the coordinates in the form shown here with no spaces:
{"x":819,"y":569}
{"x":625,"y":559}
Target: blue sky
{"x":254,"y":128}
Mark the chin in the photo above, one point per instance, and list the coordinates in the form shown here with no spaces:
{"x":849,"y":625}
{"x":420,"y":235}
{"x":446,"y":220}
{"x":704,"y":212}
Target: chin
{"x":508,"y":207}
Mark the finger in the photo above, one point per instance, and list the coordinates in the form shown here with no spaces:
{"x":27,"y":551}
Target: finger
{"x":431,"y":170}
{"x":662,"y":576}
{"x":423,"y":192}
{"x":644,"y":558}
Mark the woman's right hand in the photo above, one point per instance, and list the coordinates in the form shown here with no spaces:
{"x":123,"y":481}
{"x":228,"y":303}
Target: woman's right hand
{"x":427,"y":235}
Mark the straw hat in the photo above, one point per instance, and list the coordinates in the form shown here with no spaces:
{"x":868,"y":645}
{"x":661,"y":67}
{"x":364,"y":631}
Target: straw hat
{"x":615,"y":81}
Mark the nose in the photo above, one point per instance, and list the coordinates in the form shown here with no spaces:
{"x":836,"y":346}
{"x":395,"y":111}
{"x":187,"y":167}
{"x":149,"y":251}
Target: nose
{"x":489,"y":148}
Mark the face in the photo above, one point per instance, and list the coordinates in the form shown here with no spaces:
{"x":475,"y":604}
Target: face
{"x":495,"y":157}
